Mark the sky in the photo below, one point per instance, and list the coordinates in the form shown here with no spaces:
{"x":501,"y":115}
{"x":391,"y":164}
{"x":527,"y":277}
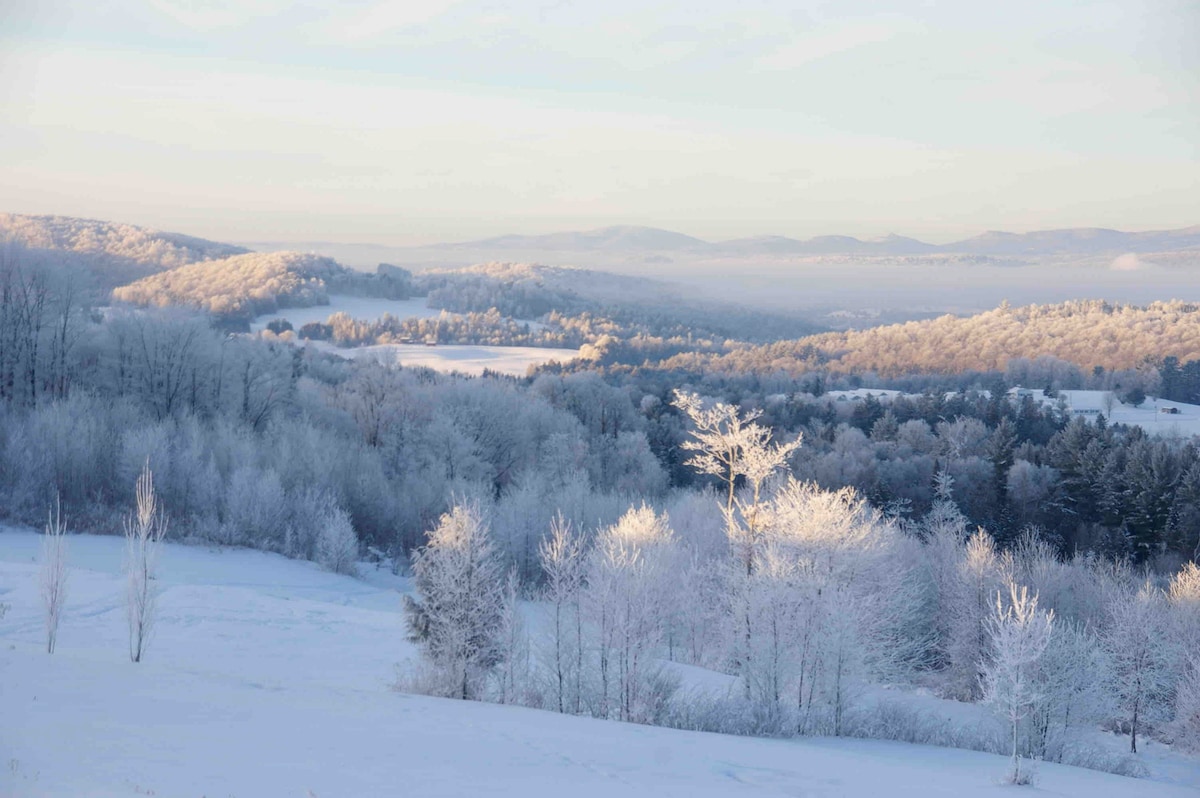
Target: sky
{"x":414,"y":122}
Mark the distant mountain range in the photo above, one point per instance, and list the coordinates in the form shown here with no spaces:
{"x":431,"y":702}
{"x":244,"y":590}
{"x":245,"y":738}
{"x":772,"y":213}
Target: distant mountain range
{"x":633,"y":239}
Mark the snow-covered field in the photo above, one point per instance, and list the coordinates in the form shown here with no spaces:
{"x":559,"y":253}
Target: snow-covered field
{"x":269,"y":677}
{"x":363,"y":309}
{"x":356,"y":307}
{"x":463,"y":358}
{"x":1149,"y":415}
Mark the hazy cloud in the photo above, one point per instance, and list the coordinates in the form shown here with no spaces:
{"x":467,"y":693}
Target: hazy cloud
{"x":1128,"y":262}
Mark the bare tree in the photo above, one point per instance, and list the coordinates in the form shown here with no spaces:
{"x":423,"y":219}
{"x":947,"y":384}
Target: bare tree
{"x":144,"y":530}
{"x":54,"y":572}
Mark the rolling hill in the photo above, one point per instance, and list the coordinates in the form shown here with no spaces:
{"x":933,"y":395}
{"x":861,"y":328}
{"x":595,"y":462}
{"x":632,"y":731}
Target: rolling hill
{"x":239,"y":286}
{"x":109,"y":253}
{"x":1086,"y":333}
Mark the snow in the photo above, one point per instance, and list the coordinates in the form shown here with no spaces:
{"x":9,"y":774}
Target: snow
{"x":1149,"y":415}
{"x":463,"y":358}
{"x":356,"y":307}
{"x":267,"y":676}
{"x":362,"y":309}
{"x":860,"y":394}
{"x":1088,"y":404}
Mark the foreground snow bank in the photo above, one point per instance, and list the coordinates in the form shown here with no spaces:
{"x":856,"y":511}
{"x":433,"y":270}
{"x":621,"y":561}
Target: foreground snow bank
{"x":269,"y":677}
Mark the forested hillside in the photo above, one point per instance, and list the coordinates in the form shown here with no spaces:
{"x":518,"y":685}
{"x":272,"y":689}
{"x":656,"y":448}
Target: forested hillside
{"x":241,"y":286}
{"x":110,"y":252}
{"x":608,"y":303}
{"x":1085,"y":333}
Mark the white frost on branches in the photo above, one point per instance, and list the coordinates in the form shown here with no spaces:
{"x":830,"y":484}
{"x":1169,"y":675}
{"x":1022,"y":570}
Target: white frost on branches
{"x":54,"y":573}
{"x":144,"y":530}
{"x":1019,"y":633}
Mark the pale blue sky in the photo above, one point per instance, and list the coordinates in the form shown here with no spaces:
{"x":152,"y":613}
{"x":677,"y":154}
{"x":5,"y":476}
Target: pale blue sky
{"x":401,"y":122}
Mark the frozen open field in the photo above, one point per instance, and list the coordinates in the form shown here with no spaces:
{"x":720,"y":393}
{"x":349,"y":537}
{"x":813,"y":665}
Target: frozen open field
{"x":356,"y":307}
{"x":463,"y":358}
{"x":268,"y":677}
{"x":1152,"y":415}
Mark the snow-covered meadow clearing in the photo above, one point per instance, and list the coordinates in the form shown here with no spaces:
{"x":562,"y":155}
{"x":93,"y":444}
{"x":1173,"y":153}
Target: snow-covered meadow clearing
{"x":471,"y":359}
{"x":356,"y":307}
{"x":267,"y":676}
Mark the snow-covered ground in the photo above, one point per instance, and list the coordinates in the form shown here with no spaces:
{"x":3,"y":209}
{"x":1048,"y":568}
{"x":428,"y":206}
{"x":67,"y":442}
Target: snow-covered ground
{"x":1150,"y":415}
{"x":356,"y":307}
{"x":463,"y":358}
{"x":267,"y":676}
{"x":362,"y":309}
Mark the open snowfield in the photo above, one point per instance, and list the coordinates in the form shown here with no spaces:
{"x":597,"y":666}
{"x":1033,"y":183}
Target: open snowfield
{"x":363,"y":309}
{"x":463,"y":358}
{"x":1149,"y":415}
{"x":269,"y":677}
{"x":356,"y":307}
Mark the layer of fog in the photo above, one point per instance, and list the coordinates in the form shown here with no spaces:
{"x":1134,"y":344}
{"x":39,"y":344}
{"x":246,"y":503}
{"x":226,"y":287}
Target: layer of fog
{"x":865,"y":288}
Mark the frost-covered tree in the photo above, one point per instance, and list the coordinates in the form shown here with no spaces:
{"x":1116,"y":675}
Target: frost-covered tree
{"x":1019,"y":633}
{"x":1187,"y":706}
{"x":728,"y":444}
{"x":1070,"y":689}
{"x":829,"y":604}
{"x":54,"y":573}
{"x":1183,"y":595}
{"x":337,"y":545}
{"x":1139,"y":649}
{"x":458,"y":619}
{"x":980,"y":574}
{"x":562,"y":560}
{"x":1184,"y":598}
{"x":513,"y":671}
{"x":731,"y":445}
{"x":144,"y":531}
{"x":628,"y":595}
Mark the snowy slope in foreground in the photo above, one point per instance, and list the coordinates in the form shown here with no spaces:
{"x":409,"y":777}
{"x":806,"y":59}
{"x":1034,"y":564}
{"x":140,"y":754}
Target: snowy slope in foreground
{"x":268,"y":677}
